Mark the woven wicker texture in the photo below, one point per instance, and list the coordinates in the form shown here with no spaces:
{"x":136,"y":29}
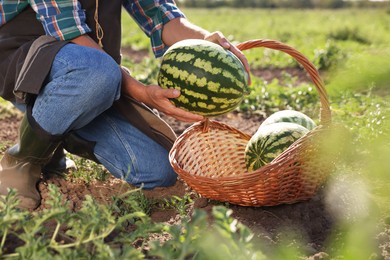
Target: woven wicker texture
{"x":209,"y":155}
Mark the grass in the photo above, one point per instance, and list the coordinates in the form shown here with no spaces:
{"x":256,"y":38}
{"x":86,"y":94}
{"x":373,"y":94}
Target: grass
{"x":310,"y":31}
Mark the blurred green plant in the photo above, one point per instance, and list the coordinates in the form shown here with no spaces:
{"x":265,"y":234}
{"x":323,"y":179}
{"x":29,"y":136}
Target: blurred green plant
{"x":87,"y":233}
{"x":132,"y":200}
{"x":349,"y":34}
{"x":328,"y":57}
{"x":307,"y":30}
{"x":7,"y":109}
{"x":146,"y":71}
{"x":224,"y":238}
{"x":368,"y":70}
{"x":266,"y":98}
{"x":360,"y":187}
{"x":180,"y":204}
{"x":111,"y":231}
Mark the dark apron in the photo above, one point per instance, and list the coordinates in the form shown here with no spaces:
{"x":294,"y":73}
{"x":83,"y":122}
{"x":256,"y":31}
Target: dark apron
{"x":26,"y":55}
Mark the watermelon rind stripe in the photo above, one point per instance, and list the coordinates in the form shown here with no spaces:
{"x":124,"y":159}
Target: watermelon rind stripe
{"x":183,"y":78}
{"x":201,"y":61}
{"x":181,"y":71}
{"x":189,"y":53}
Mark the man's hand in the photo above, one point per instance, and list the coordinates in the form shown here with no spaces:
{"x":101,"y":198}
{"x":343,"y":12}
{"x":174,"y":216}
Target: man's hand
{"x":219,"y":38}
{"x":159,"y":99}
{"x":156,"y":97}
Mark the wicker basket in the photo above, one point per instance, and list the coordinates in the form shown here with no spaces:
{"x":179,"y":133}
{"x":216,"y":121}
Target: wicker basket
{"x":209,"y":155}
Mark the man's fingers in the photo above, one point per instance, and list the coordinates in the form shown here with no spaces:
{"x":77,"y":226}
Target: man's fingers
{"x":183,"y":115}
{"x":219,"y":38}
{"x":243,"y":59}
{"x":180,"y":114}
{"x":171,"y":93}
{"x":188,"y":119}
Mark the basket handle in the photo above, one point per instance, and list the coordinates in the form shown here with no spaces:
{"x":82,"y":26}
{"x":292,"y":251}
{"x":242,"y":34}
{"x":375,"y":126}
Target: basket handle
{"x":325,"y":114}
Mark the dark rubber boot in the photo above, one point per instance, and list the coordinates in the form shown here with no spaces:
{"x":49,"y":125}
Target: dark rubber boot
{"x":59,"y":164}
{"x":21,"y":165}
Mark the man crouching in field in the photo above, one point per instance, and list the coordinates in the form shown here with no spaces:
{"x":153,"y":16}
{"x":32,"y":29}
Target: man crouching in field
{"x":60,"y":65}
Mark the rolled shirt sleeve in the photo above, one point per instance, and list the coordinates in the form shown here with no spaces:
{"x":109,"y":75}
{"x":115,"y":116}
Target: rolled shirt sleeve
{"x":63,"y":20}
{"x":151,"y":15}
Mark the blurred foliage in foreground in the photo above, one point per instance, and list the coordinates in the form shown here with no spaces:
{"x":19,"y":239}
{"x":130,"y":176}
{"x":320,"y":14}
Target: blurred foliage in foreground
{"x":359,"y":194}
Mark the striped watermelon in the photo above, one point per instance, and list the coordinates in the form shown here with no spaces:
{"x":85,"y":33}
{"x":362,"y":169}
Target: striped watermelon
{"x":269,"y":141}
{"x":291,"y":116}
{"x":211,"y":79}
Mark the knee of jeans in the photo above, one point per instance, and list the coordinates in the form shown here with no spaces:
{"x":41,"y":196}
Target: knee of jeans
{"x":105,"y":75}
{"x":163,"y":177}
{"x":169,"y":179}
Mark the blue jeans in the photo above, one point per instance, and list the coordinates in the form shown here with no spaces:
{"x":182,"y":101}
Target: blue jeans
{"x":78,"y":96}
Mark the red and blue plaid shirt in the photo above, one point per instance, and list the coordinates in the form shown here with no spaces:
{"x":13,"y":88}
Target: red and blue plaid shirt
{"x":65,"y":19}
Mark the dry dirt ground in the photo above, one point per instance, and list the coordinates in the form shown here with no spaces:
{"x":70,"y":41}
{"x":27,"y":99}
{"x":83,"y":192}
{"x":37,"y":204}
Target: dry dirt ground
{"x":311,"y":221}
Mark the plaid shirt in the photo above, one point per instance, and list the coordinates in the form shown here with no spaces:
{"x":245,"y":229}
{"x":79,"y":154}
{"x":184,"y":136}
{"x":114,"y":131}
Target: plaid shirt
{"x":65,"y":19}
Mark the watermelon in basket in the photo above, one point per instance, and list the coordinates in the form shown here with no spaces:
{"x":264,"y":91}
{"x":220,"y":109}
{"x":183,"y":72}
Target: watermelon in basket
{"x":276,"y":134}
{"x":210,"y":156}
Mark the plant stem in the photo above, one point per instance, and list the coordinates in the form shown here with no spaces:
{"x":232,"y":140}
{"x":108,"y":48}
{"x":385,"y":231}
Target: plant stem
{"x":53,"y":238}
{"x":10,"y":255}
{"x":105,"y":234}
{"x":3,"y":239}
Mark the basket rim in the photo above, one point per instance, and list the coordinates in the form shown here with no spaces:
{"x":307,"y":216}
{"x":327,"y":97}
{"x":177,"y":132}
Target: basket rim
{"x":325,"y":112}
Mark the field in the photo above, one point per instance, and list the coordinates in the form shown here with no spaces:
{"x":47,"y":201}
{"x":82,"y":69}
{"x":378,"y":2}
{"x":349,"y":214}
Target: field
{"x":89,"y":214}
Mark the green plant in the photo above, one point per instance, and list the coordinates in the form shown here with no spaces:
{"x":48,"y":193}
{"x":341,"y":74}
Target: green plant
{"x":348,"y":34}
{"x":10,"y":219}
{"x":181,"y":205}
{"x":95,"y":231}
{"x":7,"y":109}
{"x":196,"y":239}
{"x":328,"y":57}
{"x":87,"y":170}
{"x":360,"y":94}
{"x":267,"y":98}
{"x":365,"y":114}
{"x":132,"y":200}
{"x":111,"y":231}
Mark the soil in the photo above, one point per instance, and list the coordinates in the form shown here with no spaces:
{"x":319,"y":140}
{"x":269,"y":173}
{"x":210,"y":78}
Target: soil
{"x":311,"y":221}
